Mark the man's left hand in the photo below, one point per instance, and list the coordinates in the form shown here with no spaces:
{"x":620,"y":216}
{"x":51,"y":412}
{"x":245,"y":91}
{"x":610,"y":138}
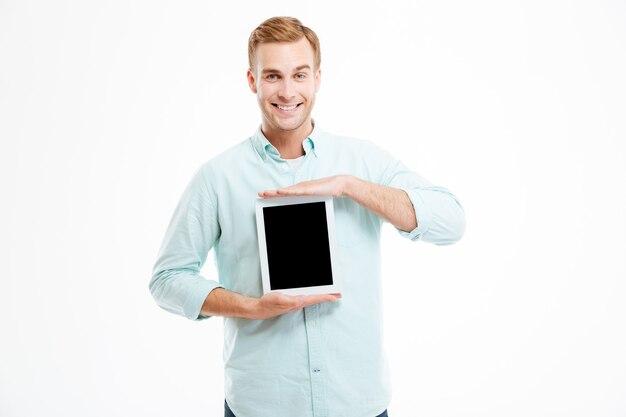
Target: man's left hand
{"x":334,"y":186}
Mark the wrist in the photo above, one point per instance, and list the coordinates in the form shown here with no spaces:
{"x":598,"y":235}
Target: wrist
{"x":349,"y":183}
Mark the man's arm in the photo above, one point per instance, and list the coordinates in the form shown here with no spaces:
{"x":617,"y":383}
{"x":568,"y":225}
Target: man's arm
{"x":392,"y":204}
{"x":221,"y":302}
{"x":410,"y":203}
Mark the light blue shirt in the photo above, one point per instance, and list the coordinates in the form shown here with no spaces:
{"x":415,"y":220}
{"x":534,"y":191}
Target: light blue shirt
{"x":324,"y":360}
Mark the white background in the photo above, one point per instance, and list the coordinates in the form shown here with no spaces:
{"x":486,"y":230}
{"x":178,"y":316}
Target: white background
{"x":518,"y":107}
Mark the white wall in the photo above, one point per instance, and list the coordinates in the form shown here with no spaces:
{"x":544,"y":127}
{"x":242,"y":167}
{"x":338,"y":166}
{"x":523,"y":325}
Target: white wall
{"x":107,"y":108}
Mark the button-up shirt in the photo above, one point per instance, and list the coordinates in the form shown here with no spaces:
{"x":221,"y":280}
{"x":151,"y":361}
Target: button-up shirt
{"x":326,"y":359}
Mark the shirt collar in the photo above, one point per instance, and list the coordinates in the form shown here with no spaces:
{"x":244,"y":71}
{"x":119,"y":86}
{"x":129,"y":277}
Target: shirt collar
{"x":266,"y":150}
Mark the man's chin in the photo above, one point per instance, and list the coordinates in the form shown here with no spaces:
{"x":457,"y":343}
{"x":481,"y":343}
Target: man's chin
{"x":289,"y":126}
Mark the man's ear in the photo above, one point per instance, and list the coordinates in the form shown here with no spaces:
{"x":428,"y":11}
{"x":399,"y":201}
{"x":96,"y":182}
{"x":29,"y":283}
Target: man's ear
{"x":318,"y":79}
{"x":251,"y":81}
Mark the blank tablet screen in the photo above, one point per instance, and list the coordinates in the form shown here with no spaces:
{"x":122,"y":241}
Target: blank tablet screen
{"x":296,"y":237}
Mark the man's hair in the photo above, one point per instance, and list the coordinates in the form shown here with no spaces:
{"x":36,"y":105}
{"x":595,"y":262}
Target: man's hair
{"x":282,"y":29}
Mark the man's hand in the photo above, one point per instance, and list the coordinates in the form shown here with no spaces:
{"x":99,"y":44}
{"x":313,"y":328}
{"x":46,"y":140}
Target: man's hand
{"x":221,"y":302}
{"x":335,"y":186}
{"x":274,"y":304}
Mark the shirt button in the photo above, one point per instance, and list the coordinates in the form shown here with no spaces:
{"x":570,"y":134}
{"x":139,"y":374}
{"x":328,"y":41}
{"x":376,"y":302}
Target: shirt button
{"x":316,"y":370}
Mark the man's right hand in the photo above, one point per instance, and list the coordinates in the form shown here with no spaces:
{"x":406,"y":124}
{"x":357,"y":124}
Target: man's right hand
{"x":221,"y":302}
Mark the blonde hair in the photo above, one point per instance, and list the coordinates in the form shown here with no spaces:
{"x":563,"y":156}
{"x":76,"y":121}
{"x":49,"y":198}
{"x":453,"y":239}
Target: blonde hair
{"x":282,"y":29}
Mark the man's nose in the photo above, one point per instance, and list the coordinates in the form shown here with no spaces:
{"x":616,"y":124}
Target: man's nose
{"x":286,"y":90}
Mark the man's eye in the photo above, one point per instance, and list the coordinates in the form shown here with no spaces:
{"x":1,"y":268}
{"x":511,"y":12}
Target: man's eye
{"x":272,"y":77}
{"x":300,"y":76}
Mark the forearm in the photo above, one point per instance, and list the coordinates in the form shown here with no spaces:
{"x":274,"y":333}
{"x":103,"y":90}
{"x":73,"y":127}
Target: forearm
{"x":221,"y":302}
{"x":392,"y":204}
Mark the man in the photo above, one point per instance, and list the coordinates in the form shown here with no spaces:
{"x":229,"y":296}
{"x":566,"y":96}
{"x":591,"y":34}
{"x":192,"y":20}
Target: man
{"x":296,"y":356}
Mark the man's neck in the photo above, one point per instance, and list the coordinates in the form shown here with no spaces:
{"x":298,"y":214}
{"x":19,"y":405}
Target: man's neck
{"x":288,"y":142}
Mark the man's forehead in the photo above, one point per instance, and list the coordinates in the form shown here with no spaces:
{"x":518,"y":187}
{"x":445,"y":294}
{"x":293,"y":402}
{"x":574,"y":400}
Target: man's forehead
{"x":285,"y":55}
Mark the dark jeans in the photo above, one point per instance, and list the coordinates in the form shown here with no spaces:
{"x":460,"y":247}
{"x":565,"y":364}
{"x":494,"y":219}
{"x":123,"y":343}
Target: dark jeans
{"x":228,"y":413}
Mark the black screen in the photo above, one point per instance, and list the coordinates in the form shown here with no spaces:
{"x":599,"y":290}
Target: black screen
{"x":296,"y":237}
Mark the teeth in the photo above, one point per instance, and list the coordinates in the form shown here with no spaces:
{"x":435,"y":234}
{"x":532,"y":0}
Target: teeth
{"x":287,"y":108}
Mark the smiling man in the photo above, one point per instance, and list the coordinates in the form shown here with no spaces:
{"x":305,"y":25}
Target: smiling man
{"x":285,"y":77}
{"x":304,"y":356}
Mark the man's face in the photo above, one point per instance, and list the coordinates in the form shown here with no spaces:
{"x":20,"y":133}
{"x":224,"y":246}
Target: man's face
{"x":285,"y":80}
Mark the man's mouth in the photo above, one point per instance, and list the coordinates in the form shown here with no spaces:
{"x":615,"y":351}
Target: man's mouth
{"x":286,"y":108}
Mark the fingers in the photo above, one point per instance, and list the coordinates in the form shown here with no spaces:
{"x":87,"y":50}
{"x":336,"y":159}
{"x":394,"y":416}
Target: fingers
{"x":324,"y":298}
{"x":326,"y":186}
{"x":275,"y":303}
{"x":300,"y":301}
{"x":282,"y":192}
{"x":268,"y":193}
{"x":301,"y":188}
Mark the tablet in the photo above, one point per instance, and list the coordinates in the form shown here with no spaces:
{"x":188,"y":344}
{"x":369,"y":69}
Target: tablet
{"x":297,"y":245}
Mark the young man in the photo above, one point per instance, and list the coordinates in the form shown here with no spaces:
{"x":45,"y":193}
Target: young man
{"x":304,"y":356}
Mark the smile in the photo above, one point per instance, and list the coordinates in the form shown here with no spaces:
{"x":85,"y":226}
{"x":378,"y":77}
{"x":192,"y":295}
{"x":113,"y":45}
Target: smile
{"x":286,"y":108}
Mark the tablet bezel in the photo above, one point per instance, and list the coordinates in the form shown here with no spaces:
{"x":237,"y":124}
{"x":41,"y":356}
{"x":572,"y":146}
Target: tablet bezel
{"x":330,"y":222}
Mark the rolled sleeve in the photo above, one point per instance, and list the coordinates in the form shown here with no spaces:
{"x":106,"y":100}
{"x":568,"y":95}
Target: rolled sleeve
{"x":439,"y":215}
{"x":176,"y":283}
{"x":422,"y":215}
{"x":193,"y":304}
{"x":182,"y":292}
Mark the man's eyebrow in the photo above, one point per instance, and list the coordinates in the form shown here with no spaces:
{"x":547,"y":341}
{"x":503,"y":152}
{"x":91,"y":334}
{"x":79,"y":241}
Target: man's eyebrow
{"x":275,"y":71}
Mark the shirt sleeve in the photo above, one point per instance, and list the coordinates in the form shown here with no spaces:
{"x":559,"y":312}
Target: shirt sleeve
{"x":439,"y":215}
{"x":176,"y":283}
